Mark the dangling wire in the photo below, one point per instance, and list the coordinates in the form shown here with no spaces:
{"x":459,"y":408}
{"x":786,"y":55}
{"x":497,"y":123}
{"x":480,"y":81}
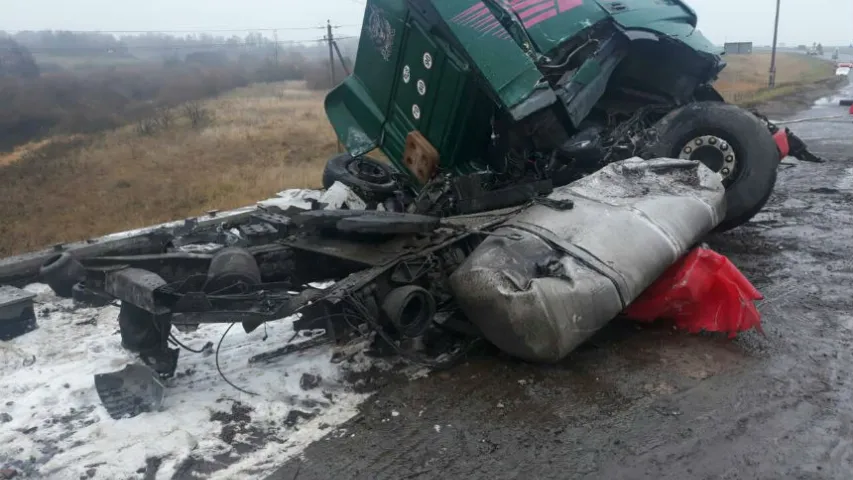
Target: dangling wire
{"x":347,"y":317}
{"x":218,"y":369}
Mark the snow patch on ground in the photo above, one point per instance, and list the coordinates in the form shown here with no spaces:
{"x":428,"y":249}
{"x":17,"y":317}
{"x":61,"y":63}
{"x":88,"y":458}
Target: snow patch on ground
{"x":846,"y":182}
{"x":53,"y":425}
{"x":831,"y":100}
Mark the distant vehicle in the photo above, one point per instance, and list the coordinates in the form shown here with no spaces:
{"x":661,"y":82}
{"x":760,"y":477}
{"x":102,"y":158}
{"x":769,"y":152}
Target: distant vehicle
{"x":843,"y":70}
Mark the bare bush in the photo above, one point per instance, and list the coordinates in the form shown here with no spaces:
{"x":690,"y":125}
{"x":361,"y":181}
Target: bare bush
{"x":68,"y":103}
{"x":146,"y":127}
{"x":89,"y":101}
{"x":165,"y":117}
{"x":197,"y":115}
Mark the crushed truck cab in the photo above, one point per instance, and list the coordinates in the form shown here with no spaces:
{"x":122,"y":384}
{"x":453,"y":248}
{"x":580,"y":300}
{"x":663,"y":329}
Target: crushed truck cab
{"x":533,"y":90}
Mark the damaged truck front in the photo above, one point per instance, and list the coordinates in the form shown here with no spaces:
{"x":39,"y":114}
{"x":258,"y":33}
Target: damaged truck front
{"x":541,"y":90}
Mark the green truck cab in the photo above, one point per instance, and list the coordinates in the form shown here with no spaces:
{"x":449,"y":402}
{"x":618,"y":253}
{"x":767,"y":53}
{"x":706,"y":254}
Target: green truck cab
{"x":541,"y":88}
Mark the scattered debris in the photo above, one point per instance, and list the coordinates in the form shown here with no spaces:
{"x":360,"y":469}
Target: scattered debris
{"x":309,"y":381}
{"x":294,"y":416}
{"x":374,"y":281}
{"x":233,"y":422}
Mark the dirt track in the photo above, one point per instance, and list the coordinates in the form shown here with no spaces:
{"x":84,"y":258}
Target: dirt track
{"x":648,"y":402}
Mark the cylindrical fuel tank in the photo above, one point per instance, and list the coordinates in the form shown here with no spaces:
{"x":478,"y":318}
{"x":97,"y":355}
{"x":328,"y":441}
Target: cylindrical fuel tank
{"x":552,"y":276}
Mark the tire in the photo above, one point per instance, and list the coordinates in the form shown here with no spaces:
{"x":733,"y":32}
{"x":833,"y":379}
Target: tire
{"x":370,"y":178}
{"x":61,"y":272}
{"x":138,"y":328}
{"x":756,"y":157}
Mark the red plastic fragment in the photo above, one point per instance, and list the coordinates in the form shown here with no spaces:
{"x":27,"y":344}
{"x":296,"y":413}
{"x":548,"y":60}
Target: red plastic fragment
{"x":781,"y":137}
{"x":851,"y":109}
{"x":701,"y":291}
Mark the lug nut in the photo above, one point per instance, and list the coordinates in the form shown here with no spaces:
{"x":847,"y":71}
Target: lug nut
{"x":712,"y":140}
{"x":688,"y":149}
{"x":724,"y":147}
{"x":725,"y":171}
{"x":698,"y":141}
{"x":730,"y":158}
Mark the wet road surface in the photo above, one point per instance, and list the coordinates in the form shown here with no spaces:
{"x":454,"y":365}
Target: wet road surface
{"x":647,"y":402}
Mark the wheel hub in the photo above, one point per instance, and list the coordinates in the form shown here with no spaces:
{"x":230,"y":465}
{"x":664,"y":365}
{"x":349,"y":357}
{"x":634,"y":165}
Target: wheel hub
{"x":367,"y":171}
{"x":716,"y":153}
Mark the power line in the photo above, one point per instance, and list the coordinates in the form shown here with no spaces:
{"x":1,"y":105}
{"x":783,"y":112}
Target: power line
{"x":175,"y":47}
{"x":198,"y":30}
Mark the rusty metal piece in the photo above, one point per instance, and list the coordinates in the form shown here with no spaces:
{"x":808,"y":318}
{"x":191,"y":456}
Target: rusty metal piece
{"x":420,"y":157}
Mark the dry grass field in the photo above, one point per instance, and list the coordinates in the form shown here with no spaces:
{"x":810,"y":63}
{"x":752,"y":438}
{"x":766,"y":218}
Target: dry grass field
{"x":246,"y":145}
{"x":745,"y":78}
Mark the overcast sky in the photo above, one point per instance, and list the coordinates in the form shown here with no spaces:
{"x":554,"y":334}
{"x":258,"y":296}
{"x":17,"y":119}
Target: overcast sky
{"x":801,"y":21}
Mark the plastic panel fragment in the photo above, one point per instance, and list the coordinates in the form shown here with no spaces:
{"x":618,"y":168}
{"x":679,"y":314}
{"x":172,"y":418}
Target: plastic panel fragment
{"x":703,"y":291}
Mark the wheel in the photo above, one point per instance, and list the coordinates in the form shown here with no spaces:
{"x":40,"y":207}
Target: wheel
{"x":61,"y":272}
{"x":730,"y":141}
{"x":370,"y":178}
{"x":139,"y":329}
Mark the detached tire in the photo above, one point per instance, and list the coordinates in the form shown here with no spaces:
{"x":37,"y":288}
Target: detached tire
{"x":61,"y":272}
{"x":370,"y":178}
{"x":730,"y":141}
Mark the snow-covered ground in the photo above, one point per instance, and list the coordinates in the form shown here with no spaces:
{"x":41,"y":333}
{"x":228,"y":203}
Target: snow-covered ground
{"x":52,"y":423}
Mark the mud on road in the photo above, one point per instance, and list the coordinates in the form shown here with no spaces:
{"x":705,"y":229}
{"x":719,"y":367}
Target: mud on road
{"x":647,"y":402}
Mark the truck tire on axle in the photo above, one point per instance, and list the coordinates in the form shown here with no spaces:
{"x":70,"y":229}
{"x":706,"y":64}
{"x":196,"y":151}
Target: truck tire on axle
{"x":730,"y":141}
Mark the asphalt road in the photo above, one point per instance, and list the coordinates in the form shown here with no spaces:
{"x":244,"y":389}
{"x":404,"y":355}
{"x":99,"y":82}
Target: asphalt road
{"x":640,"y":403}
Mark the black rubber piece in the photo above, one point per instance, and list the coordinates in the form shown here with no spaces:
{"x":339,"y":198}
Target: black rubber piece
{"x":757,"y":153}
{"x":374,"y":181}
{"x":410,"y":309}
{"x":89,"y":298}
{"x":139,"y":329}
{"x":394,"y":224}
{"x":61,"y":272}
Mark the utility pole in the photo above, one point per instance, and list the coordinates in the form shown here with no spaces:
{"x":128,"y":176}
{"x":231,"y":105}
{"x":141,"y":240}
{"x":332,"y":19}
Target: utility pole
{"x":275,"y":38}
{"x":331,"y":40}
{"x":772,"y":82}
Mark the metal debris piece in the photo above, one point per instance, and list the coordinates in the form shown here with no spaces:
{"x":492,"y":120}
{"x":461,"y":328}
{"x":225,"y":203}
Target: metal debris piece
{"x":17,"y":315}
{"x":128,"y":392}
